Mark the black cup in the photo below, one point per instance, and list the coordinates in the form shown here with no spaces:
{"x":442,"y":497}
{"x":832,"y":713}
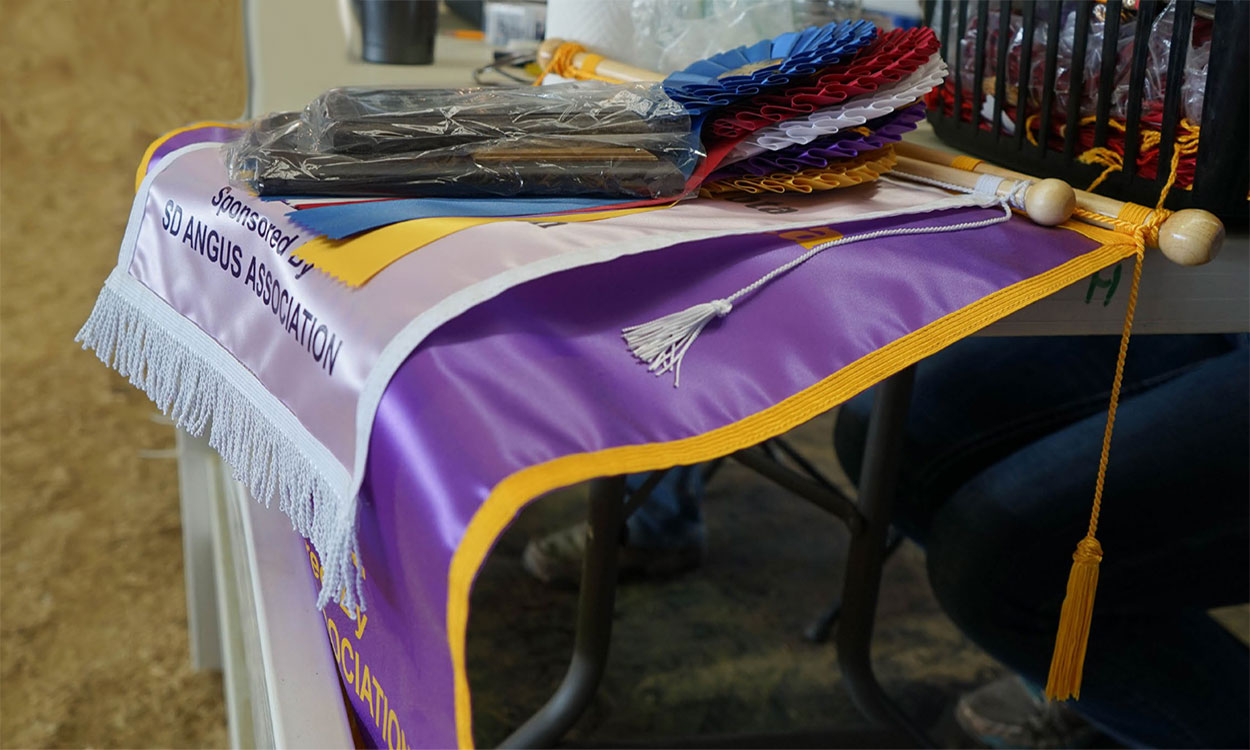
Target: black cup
{"x":398,"y":32}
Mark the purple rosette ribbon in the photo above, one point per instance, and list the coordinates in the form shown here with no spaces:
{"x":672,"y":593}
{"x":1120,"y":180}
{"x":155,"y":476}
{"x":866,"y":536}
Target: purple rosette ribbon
{"x":822,"y":152}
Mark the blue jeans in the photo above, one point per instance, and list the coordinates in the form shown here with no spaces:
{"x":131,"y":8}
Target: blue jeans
{"x":672,"y":516}
{"x":1001,"y":451}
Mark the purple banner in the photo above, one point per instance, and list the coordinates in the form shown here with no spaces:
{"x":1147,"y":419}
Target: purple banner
{"x":541,"y":372}
{"x":188,"y":136}
{"x":528,"y":375}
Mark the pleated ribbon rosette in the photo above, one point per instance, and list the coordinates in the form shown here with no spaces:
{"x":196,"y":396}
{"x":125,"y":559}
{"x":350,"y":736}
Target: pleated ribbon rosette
{"x":746,"y":71}
{"x":889,"y":59}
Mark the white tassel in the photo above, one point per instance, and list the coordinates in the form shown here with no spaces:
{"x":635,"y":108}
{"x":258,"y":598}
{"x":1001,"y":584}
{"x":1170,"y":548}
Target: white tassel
{"x":663,"y":343}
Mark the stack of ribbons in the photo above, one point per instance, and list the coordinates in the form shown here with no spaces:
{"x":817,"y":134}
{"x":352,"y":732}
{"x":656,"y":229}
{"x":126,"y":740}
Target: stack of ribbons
{"x":376,"y":169}
{"x":800,"y":113}
{"x":831,"y":129}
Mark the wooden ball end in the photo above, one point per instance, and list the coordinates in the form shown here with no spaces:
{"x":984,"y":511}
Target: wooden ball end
{"x":1050,"y":202}
{"x":1191,"y":237}
{"x":547,"y":50}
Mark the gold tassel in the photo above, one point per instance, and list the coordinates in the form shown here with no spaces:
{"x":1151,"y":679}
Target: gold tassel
{"x":1067,"y":664}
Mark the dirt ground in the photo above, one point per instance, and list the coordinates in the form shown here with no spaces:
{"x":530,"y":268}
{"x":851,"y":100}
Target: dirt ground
{"x":721,"y":650}
{"x":93,"y":643}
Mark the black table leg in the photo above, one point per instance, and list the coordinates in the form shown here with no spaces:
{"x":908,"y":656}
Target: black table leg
{"x":819,"y":630}
{"x":866,"y":556}
{"x":594,"y":622}
{"x":878,"y":481}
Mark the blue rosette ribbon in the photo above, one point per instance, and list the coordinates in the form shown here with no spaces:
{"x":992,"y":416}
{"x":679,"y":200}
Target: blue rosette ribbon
{"x":738,"y":73}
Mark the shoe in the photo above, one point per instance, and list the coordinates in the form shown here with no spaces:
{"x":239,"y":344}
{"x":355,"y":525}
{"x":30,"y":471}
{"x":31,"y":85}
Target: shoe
{"x":556,"y":559}
{"x":1008,"y":713}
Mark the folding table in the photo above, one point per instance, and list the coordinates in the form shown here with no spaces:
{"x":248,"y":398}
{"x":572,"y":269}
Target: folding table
{"x":244,"y":589}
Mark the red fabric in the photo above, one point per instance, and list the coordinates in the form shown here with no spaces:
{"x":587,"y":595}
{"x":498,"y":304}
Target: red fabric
{"x":943,"y":97}
{"x":893,"y":56}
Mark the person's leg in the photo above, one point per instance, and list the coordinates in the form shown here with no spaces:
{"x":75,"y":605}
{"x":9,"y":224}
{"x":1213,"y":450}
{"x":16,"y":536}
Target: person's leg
{"x":663,"y":537}
{"x":981,"y":399}
{"x":1158,"y":670}
{"x":672,"y":516}
{"x":988,"y":525}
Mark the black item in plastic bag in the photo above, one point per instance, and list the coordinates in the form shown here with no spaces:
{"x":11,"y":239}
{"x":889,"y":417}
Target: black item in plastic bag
{"x":587,"y":139}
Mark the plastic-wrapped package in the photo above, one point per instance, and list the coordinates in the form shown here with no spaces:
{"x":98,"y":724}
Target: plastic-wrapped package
{"x":1196,"y":58}
{"x":361,"y":120}
{"x":967,"y":49}
{"x":587,"y":139}
{"x":671,"y":34}
{"x":536,"y":167}
{"x":1092,"y":70}
{"x":1159,"y":49}
{"x":284,"y":130}
{"x":1195,"y":84}
{"x":1036,"y":78}
{"x":668,"y":35}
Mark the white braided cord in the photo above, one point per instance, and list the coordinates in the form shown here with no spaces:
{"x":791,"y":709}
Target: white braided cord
{"x":895,"y":232}
{"x":662,"y":343}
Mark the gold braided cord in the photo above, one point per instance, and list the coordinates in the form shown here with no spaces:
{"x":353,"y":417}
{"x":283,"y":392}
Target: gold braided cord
{"x":1143,"y":224}
{"x":590,"y":63}
{"x":1115,"y":396}
{"x":1186,"y":143}
{"x":562,"y":64}
{"x":1132,"y":220}
{"x":1067,"y":663}
{"x":966,"y":163}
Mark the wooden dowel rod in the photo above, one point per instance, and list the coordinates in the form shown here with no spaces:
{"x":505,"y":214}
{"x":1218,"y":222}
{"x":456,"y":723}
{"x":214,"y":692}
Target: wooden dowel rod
{"x":1046,"y":202}
{"x":1088,"y":201}
{"x":1190,"y":237}
{"x":606,"y":67}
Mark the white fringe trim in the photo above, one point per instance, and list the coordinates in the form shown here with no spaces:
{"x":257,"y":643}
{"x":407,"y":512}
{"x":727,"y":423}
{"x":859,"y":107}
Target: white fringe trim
{"x":196,"y":396}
